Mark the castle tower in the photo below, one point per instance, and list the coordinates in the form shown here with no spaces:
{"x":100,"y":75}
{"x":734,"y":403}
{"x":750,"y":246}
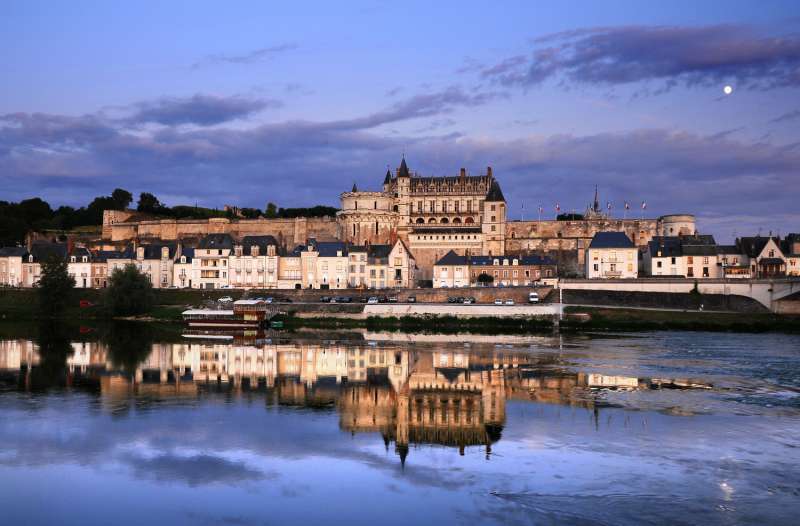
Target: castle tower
{"x":494,"y":220}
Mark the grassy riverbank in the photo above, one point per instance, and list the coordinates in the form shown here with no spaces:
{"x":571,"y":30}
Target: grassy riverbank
{"x":21,"y":306}
{"x":597,"y":318}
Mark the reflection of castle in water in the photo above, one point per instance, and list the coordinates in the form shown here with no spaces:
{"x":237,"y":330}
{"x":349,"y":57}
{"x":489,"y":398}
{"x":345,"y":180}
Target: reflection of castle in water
{"x":407,"y":394}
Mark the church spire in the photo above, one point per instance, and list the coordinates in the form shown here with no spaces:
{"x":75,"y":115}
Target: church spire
{"x":596,"y":207}
{"x":388,"y":178}
{"x":355,"y":188}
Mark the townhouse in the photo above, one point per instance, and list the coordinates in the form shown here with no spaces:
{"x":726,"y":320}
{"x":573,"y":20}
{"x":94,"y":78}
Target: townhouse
{"x":612,"y":255}
{"x":453,"y":270}
{"x":687,"y":256}
{"x":11,"y":259}
{"x":254,"y":263}
{"x":210,"y":262}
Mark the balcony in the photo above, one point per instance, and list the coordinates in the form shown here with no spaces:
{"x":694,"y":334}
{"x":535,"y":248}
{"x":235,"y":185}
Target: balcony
{"x":612,"y":273}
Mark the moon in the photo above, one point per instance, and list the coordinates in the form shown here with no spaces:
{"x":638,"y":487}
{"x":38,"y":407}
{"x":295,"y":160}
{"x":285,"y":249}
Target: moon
{"x":727,"y":90}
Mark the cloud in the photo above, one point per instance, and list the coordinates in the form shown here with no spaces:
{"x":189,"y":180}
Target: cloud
{"x":788,"y":116}
{"x":251,"y":57}
{"x":710,"y":175}
{"x":687,"y":56}
{"x":199,"y":109}
{"x":195,"y":470}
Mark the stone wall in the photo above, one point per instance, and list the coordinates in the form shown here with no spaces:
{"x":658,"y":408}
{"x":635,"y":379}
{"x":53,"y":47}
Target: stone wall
{"x":549,"y":236}
{"x":290,"y":231}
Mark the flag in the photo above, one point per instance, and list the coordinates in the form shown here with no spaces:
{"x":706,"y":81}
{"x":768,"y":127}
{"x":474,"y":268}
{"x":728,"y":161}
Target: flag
{"x":558,"y":207}
{"x":644,"y":205}
{"x":608,"y":205}
{"x":627,"y":206}
{"x":541,"y":209}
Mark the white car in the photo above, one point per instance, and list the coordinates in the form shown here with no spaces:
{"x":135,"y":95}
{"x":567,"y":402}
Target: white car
{"x":268,"y":300}
{"x":498,"y":301}
{"x":373,"y":300}
{"x":509,"y":301}
{"x":225,"y":299}
{"x":533,"y":297}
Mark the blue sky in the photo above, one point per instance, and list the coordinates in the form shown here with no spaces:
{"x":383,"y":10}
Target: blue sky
{"x":254,"y":102}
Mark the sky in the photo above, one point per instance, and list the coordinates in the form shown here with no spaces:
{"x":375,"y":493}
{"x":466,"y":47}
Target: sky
{"x":244,"y":103}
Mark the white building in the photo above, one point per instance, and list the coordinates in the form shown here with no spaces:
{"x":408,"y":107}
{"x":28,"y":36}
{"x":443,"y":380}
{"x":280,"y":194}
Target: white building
{"x":611,"y":255}
{"x":210,"y":262}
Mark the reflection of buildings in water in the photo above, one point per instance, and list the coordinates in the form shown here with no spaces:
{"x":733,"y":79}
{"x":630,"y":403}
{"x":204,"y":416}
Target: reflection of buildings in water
{"x":448,"y":396}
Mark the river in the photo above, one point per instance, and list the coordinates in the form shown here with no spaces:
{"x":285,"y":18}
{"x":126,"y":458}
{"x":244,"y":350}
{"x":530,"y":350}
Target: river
{"x":124,"y":425}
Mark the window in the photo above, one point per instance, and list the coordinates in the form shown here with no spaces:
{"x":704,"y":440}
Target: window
{"x":658,"y":264}
{"x":595,"y":267}
{"x":705,"y":260}
{"x":689,"y":260}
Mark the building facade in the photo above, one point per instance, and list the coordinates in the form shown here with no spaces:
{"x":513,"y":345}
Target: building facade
{"x":612,"y":255}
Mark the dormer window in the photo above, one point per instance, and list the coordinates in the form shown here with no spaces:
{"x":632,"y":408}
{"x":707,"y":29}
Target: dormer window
{"x":72,"y":259}
{"x":85,"y":259}
{"x":183,"y":259}
{"x":30,"y":258}
{"x":515,"y":262}
{"x":496,"y":262}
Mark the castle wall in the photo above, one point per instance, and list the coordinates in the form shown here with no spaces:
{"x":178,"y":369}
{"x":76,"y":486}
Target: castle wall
{"x":554,"y":236}
{"x":290,"y":231}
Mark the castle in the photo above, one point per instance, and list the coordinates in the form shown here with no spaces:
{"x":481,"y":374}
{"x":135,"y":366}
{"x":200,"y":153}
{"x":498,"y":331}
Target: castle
{"x":465,"y":213}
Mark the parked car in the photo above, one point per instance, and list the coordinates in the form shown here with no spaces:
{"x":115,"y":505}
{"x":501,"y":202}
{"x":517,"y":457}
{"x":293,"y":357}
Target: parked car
{"x":362,"y":299}
{"x":325,"y":299}
{"x":468,"y":301}
{"x":451,"y":299}
{"x":372,"y":301}
{"x":392,"y":299}
{"x":509,"y":301}
{"x":498,"y":301}
{"x":412,"y":299}
{"x":383,"y":299}
{"x":225,"y":299}
{"x":268,"y":300}
{"x":226,"y":287}
{"x":344,"y":299}
{"x":533,"y":297}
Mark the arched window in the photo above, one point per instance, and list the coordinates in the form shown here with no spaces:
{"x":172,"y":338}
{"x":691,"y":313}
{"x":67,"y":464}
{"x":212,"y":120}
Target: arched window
{"x":375,"y":205}
{"x":395,"y":208}
{"x":354,"y":230}
{"x":457,"y":221}
{"x":469,"y":221}
{"x":444,"y":221}
{"x":376,"y":228}
{"x":432,"y":220}
{"x":420,"y":221}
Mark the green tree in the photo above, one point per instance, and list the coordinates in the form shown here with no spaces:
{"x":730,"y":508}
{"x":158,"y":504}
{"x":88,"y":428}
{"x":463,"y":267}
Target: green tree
{"x":271,"y":211}
{"x":129,"y":292}
{"x":149,"y":203}
{"x":55,"y":287}
{"x":485,"y":279}
{"x":122,"y":198}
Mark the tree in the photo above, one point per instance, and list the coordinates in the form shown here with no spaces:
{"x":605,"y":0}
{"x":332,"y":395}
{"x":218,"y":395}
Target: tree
{"x":96,"y":208}
{"x":122,"y":198}
{"x":129,"y":292}
{"x":485,"y":279}
{"x":271,"y":211}
{"x":149,"y":203}
{"x":55,"y":287}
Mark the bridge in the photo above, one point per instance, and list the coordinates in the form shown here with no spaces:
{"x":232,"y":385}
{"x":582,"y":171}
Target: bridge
{"x":765,"y":291}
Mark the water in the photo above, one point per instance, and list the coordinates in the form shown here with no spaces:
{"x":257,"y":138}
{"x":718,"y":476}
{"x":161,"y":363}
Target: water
{"x":124,"y":425}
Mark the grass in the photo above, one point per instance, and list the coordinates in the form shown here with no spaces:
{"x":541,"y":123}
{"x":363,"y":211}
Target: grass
{"x":638,"y":320}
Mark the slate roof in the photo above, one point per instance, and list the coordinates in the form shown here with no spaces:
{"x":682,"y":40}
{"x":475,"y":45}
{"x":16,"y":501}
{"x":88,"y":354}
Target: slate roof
{"x":611,"y":240}
{"x":42,"y":250}
{"x":220,"y":241}
{"x":728,"y":250}
{"x":403,"y":171}
{"x":669,"y":246}
{"x":752,"y":246}
{"x":13,"y":252}
{"x":188,"y":253}
{"x":153,"y":251}
{"x":262,"y":242}
{"x":495,"y":194}
{"x":451,"y":258}
{"x":101,"y":256}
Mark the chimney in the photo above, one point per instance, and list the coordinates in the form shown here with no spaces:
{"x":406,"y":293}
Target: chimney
{"x":489,"y":171}
{"x":463,"y":172}
{"x":70,"y":245}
